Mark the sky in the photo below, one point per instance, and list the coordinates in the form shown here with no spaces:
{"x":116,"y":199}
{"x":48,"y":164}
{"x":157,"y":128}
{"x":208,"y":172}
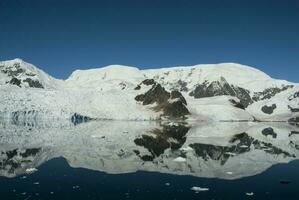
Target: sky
{"x":60,"y":36}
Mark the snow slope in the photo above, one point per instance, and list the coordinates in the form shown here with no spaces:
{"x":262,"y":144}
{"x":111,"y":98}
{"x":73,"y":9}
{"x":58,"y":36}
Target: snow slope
{"x":216,"y":92}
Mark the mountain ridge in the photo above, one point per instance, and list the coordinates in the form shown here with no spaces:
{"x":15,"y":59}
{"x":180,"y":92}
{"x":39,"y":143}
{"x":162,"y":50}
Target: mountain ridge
{"x":225,"y":92}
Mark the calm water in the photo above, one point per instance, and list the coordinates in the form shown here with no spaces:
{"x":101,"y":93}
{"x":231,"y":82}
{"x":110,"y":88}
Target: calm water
{"x":142,"y":160}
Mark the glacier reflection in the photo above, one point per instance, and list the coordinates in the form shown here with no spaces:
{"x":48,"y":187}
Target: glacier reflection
{"x":221,"y":150}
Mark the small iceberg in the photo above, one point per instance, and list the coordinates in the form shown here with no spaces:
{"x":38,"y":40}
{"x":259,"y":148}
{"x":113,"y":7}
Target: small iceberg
{"x":180,"y":159}
{"x":249,"y":193}
{"x":199,"y":189}
{"x":31,"y":170}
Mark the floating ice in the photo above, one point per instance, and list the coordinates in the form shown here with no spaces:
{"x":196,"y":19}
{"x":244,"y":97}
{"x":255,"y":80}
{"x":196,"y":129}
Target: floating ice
{"x":180,"y":159}
{"x":249,"y":193}
{"x":199,"y":189}
{"x":31,"y":170}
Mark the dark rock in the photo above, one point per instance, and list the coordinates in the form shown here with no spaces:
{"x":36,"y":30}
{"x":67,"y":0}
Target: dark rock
{"x":219,"y":88}
{"x":149,"y":82}
{"x":11,"y":154}
{"x":78,"y":119}
{"x":15,"y":81}
{"x":269,"y":131}
{"x":294,"y":121}
{"x":269,"y":93}
{"x":269,"y":109}
{"x":30,"y":152}
{"x":138,"y":87}
{"x":14,"y":159}
{"x":176,"y":94}
{"x":33,"y":83}
{"x":237,"y":104}
{"x":140,"y":97}
{"x":182,"y":86}
{"x":295,"y":95}
{"x":176,"y":109}
{"x":157,"y":94}
{"x":294,"y":133}
{"x":172,"y":104}
{"x":293,"y":109}
{"x":14,"y":70}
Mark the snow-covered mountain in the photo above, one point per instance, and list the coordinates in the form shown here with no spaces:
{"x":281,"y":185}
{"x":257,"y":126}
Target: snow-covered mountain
{"x":224,"y":92}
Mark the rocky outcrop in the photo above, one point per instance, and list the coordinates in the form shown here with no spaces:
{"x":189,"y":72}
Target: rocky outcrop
{"x":33,"y":83}
{"x":269,"y":92}
{"x":219,"y":88}
{"x":293,"y":109}
{"x":237,"y":104}
{"x":172,"y":104}
{"x":294,"y":96}
{"x":268,"y":109}
{"x":15,"y":81}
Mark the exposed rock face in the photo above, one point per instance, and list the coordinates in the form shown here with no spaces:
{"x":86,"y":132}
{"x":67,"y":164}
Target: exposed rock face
{"x":295,"y":95}
{"x":222,"y":87}
{"x":172,"y":137}
{"x":268,"y":109}
{"x":15,"y":81}
{"x":293,"y":109}
{"x":173,"y":104}
{"x":269,"y":93}
{"x":33,"y":83}
{"x":13,"y":70}
{"x":21,"y":74}
{"x":237,"y":104}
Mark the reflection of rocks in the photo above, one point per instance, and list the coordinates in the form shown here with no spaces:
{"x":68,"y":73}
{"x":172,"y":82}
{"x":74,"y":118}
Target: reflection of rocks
{"x":172,"y":137}
{"x":294,"y":121}
{"x":208,"y":150}
{"x":269,"y":131}
{"x":15,"y":160}
{"x":173,"y":104}
{"x":242,"y":144}
{"x":78,"y":119}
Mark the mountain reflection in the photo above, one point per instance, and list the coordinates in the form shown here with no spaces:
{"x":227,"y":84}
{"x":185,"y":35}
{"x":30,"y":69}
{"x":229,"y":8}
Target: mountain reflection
{"x":205,"y":149}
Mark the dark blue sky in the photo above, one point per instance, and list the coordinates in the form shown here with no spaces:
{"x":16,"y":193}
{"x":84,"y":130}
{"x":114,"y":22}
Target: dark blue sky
{"x":60,"y":36}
